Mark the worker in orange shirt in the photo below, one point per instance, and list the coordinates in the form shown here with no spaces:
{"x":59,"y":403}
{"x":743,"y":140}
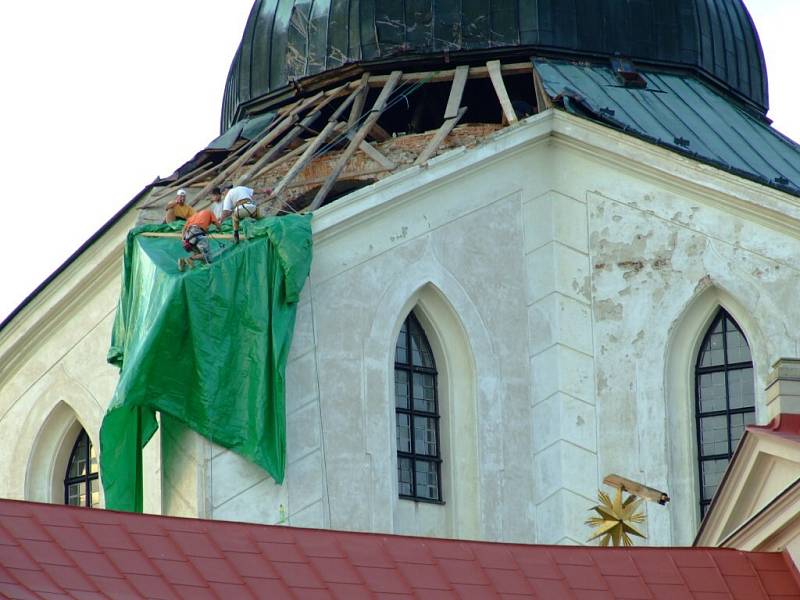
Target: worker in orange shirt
{"x":195,"y":238}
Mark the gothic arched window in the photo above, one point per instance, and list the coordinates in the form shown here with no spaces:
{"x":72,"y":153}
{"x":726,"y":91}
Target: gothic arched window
{"x":81,"y":485}
{"x":724,"y":400}
{"x":419,"y":462}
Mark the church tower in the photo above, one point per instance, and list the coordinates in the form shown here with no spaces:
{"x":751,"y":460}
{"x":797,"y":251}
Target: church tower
{"x":551,"y":241}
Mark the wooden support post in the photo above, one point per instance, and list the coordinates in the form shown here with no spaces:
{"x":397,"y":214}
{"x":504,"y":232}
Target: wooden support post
{"x":376,"y":155}
{"x":441,"y":134}
{"x":358,"y":104}
{"x":500,"y":89}
{"x":308,"y":155}
{"x":374,"y":114}
{"x":258,"y":166}
{"x":379,"y":134}
{"x":456,"y":91}
{"x":276,"y":128}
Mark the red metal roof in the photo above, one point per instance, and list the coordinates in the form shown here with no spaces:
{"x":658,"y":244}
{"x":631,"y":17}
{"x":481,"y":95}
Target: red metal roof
{"x":785,"y":425}
{"x":51,"y":551}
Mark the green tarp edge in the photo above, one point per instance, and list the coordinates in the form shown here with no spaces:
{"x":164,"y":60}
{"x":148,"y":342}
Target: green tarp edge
{"x":207,"y":347}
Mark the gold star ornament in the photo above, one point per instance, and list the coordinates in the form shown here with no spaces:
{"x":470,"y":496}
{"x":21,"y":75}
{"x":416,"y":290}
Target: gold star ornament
{"x":617,"y":519}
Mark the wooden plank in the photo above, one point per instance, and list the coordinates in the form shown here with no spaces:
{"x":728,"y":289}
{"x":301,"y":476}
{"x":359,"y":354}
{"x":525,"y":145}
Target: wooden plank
{"x":346,"y":175}
{"x":456,"y":91}
{"x":375,"y":113}
{"x":441,"y":134}
{"x":376,"y":155}
{"x":258,"y":167}
{"x":500,"y":89}
{"x":179,"y":234}
{"x":279,"y":129}
{"x":308,"y":155}
{"x":378,"y":133}
{"x":275,"y":129}
{"x":358,"y":104}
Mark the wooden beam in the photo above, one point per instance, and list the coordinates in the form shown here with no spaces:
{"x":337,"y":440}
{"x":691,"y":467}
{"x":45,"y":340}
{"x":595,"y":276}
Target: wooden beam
{"x":500,"y":89}
{"x":441,"y":134}
{"x":376,"y":155}
{"x":375,"y":113}
{"x":308,"y":155}
{"x":269,"y":156}
{"x":353,"y":175}
{"x":270,"y":136}
{"x":378,"y":133}
{"x":456,"y":91}
{"x":358,"y":104}
{"x":275,"y":129}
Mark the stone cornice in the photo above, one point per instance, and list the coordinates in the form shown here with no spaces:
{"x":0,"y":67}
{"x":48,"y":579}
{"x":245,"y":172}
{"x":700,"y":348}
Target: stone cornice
{"x":767,"y":524}
{"x":699,"y":181}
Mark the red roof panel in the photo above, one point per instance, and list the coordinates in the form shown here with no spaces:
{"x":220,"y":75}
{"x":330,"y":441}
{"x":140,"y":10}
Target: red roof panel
{"x":50,"y":551}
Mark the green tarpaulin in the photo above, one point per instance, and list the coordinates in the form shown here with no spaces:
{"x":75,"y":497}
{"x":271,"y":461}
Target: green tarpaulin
{"x":207,"y":346}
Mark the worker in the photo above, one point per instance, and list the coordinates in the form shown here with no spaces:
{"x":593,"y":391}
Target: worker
{"x":178,"y":209}
{"x":195,"y":238}
{"x":238,"y":205}
{"x":216,"y":203}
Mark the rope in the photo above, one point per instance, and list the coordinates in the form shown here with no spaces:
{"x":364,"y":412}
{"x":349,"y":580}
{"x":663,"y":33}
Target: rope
{"x":319,"y":398}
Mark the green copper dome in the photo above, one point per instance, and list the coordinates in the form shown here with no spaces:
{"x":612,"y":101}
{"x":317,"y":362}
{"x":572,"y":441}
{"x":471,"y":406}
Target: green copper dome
{"x":286,"y":40}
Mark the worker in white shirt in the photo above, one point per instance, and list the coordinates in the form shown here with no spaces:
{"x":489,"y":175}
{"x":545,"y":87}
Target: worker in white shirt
{"x":239,"y":204}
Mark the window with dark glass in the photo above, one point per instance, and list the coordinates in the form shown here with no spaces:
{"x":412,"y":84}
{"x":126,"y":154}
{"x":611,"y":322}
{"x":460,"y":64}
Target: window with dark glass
{"x":419,"y":462}
{"x":81,"y":484}
{"x":724,"y":400}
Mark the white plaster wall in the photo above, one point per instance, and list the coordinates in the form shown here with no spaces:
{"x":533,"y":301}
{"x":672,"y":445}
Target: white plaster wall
{"x":54,"y":378}
{"x":565,"y":274}
{"x":578,"y":261}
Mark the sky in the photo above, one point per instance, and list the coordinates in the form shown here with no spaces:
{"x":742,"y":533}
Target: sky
{"x":101,"y":97}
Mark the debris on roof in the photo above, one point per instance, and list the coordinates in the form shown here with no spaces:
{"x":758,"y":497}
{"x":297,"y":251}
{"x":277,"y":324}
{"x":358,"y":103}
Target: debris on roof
{"x":61,"y":551}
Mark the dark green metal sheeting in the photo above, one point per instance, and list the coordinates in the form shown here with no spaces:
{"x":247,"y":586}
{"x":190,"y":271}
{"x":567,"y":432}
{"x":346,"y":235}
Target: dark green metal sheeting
{"x":681,"y":113}
{"x":290,"y":39}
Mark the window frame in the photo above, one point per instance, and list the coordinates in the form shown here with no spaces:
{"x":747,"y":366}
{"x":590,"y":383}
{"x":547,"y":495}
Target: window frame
{"x":410,"y":368}
{"x":725,"y":318}
{"x":85,"y":479}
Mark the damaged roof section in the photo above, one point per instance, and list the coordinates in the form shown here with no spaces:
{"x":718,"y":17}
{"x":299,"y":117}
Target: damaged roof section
{"x":678,"y":112}
{"x":363,"y":128}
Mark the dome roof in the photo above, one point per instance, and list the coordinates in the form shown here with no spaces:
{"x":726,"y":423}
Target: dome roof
{"x":289,"y":39}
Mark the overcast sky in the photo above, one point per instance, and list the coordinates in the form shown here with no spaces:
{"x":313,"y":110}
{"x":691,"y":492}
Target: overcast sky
{"x":100,"y":97}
